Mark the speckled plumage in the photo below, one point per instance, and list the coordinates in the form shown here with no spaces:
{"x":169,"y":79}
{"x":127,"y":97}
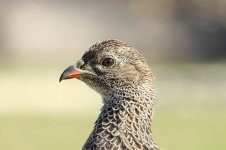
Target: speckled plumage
{"x":128,"y":92}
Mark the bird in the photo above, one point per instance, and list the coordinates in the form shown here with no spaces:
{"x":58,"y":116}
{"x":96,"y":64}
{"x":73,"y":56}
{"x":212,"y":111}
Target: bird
{"x":123,"y":78}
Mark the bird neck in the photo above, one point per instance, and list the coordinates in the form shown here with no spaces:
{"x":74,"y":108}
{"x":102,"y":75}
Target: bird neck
{"x":127,"y":115}
{"x":132,"y":108}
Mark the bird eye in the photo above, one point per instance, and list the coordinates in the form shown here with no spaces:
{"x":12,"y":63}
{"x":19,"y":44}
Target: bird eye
{"x":108,"y":62}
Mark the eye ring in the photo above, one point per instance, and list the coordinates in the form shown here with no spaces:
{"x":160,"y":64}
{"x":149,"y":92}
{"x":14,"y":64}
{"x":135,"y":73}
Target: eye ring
{"x":108,"y":62}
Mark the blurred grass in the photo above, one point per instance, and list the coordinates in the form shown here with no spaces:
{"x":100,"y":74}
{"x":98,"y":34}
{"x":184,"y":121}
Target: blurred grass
{"x":194,"y":129}
{"x":38,"y":113}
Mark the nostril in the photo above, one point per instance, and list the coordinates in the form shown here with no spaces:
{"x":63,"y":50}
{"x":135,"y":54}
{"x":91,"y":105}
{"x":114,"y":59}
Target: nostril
{"x":82,"y":67}
{"x":80,"y":64}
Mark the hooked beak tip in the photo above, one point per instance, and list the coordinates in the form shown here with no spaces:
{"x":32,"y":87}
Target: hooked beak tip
{"x":61,"y":78}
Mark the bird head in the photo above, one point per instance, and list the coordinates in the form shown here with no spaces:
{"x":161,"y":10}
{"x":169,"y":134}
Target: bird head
{"x":110,"y":65}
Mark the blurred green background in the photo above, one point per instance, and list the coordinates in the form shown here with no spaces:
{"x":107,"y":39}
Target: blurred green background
{"x":184,"y":42}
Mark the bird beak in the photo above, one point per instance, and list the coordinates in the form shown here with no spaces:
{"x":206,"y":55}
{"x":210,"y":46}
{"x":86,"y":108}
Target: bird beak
{"x":73,"y":72}
{"x":69,"y":73}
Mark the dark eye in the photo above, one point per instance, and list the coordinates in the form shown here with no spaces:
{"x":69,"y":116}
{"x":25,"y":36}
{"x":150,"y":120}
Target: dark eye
{"x":108,"y":62}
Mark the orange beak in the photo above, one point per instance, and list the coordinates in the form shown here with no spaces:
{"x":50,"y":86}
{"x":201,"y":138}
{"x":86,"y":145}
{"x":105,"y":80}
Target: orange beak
{"x":69,"y":73}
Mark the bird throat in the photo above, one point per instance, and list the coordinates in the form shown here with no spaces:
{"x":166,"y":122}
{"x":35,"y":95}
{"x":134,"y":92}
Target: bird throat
{"x":125,"y":121}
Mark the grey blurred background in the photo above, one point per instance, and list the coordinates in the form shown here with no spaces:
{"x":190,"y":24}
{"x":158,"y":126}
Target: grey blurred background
{"x":184,"y":41}
{"x":172,"y":29}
